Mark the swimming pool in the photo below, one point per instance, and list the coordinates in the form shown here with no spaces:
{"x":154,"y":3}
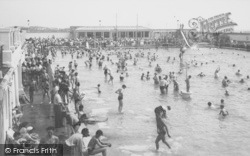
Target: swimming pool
{"x":195,"y":130}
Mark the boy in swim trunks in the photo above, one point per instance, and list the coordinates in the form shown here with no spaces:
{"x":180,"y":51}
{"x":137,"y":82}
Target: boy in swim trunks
{"x":120,"y":97}
{"x":101,"y":146}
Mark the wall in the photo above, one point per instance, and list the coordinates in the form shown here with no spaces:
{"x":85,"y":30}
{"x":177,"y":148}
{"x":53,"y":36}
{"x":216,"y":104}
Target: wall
{"x":240,"y":37}
{"x":46,"y":35}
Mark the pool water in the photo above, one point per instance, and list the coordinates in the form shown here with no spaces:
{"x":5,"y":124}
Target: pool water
{"x":195,"y":129}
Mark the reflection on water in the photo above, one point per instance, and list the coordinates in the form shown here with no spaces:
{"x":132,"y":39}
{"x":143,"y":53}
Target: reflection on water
{"x":195,"y":130}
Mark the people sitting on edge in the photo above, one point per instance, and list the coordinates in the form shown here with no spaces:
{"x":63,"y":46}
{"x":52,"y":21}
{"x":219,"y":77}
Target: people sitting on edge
{"x":223,"y":111}
{"x":242,"y":81}
{"x":238,"y":73}
{"x":96,"y":146}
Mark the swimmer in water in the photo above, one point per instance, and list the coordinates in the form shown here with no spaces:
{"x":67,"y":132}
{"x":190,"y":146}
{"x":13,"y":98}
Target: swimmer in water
{"x":142,"y":76}
{"x":210,"y":105}
{"x":225,"y":82}
{"x":147,"y":77}
{"x":111,"y":78}
{"x":121,"y":77}
{"x":180,"y":71}
{"x":156,"y":80}
{"x":162,"y":128}
{"x":216,"y":73}
{"x":120,"y":97}
{"x":98,"y":89}
{"x":247,"y":76}
{"x":127,"y":74}
{"x":176,"y":85}
{"x":201,"y":74}
{"x":223,"y":111}
{"x":242,"y":81}
{"x":238,"y":73}
{"x":226,"y":93}
{"x":188,"y":83}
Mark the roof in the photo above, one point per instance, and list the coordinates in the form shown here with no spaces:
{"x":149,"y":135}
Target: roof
{"x":112,"y":28}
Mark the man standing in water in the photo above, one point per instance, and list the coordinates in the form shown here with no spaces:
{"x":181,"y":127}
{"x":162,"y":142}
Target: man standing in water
{"x":120,"y":97}
{"x":162,"y":128}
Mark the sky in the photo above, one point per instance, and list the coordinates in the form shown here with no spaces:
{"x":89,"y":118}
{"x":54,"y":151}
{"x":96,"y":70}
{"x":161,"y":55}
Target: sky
{"x":151,"y":13}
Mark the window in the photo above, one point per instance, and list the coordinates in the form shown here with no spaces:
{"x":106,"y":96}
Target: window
{"x":138,"y":34}
{"x":106,"y":34}
{"x":146,"y":34}
{"x":130,"y":34}
{"x":98,"y":34}
{"x":123,"y":34}
{"x":81,"y":34}
{"x":90,"y":34}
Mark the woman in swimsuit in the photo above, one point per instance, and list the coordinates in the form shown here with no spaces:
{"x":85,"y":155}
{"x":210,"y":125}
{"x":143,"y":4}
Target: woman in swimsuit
{"x":162,"y":128}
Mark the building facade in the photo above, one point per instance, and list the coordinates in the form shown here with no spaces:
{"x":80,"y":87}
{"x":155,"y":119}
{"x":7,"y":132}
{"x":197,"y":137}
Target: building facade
{"x":110,"y":32}
{"x":12,"y":57}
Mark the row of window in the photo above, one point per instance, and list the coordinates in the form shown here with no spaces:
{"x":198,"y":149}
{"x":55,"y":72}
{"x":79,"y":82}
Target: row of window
{"x":120,"y":34}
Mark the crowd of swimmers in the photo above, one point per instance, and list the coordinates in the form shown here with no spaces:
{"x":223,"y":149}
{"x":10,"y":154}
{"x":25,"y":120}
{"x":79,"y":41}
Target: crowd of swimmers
{"x":63,"y":87}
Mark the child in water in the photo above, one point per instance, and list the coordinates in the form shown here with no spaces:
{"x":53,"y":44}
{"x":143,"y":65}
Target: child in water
{"x":98,"y":89}
{"x":223,"y":111}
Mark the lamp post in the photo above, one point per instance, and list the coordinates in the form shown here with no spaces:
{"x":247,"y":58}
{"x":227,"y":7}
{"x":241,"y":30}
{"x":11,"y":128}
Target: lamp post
{"x":28,"y":21}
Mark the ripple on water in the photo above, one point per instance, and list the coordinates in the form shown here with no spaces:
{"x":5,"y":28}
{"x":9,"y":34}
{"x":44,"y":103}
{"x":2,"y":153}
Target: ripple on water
{"x":190,"y":124}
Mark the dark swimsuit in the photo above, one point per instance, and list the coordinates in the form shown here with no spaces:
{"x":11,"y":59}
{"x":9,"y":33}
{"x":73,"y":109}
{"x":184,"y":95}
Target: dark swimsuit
{"x":120,"y":97}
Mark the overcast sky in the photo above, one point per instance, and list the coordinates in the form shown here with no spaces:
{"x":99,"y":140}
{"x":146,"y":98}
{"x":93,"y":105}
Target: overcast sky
{"x":151,"y":13}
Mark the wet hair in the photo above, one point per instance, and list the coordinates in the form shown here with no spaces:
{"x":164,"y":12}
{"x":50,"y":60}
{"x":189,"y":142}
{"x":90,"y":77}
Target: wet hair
{"x":99,"y":132}
{"x":209,"y":103}
{"x":98,"y":85}
{"x":124,"y":86}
